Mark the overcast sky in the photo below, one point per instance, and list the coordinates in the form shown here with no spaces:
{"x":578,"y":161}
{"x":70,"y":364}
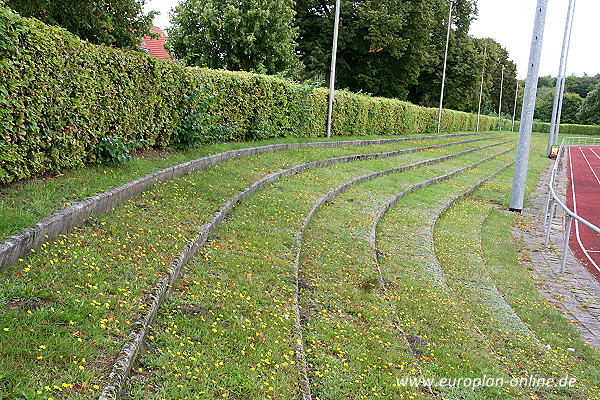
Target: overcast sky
{"x":510,"y":22}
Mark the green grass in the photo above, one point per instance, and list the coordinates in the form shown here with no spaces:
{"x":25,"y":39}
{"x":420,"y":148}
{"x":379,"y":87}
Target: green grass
{"x":479,"y":258}
{"x":253,"y":252}
{"x":24,"y":203}
{"x":77,"y":295}
{"x":227,"y":330}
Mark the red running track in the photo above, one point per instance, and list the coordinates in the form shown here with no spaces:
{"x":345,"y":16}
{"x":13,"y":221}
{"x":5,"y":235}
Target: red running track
{"x":583,"y":197}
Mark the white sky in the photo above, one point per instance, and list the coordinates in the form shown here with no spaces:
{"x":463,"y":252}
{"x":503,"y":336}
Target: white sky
{"x":510,"y":22}
{"x":164,"y":6}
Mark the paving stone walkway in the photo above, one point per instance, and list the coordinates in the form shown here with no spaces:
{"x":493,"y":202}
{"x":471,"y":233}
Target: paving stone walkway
{"x":576,"y":292}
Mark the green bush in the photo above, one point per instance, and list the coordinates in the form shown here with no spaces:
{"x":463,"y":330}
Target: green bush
{"x":198,"y":125}
{"x":62,"y":99}
{"x":568,"y":129}
{"x":116,"y":149}
{"x":61,"y":96}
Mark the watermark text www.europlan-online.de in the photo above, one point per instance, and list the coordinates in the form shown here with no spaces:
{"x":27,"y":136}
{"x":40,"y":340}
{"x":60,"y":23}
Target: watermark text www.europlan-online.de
{"x":486,"y":381}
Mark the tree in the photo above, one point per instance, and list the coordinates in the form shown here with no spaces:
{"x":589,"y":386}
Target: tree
{"x":589,"y":114}
{"x":545,"y":102}
{"x":466,"y":63}
{"x":119,"y":23}
{"x":383,"y":44}
{"x":462,"y":80}
{"x":373,"y":46}
{"x":464,"y":66}
{"x":581,"y":85}
{"x":498,"y":57}
{"x":546,"y":81}
{"x":247,"y":35}
{"x":572,"y":103}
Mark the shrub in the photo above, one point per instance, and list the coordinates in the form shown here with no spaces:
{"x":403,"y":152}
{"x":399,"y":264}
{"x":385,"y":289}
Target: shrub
{"x":198,"y":126}
{"x":116,"y":149}
{"x":65,"y":102}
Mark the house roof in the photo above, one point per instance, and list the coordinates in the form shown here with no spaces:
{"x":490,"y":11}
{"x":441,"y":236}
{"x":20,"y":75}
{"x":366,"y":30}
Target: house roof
{"x":155,"y":47}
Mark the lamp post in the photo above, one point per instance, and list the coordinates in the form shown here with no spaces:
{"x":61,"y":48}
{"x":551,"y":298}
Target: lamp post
{"x":524,"y":143}
{"x":501,"y":87}
{"x":512,"y":128}
{"x":439,"y":124}
{"x":333,"y":61}
{"x":560,"y":80}
{"x":481,"y":89}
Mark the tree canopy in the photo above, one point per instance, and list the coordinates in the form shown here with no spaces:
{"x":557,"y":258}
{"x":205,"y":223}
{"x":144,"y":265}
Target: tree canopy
{"x":575,"y":109}
{"x":119,"y":23}
{"x":545,"y":101}
{"x":581,"y":85}
{"x":247,"y":35}
{"x":383,"y":45}
{"x":589,"y":113}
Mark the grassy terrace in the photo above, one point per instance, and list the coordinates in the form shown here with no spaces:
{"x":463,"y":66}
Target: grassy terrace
{"x":25,"y":203}
{"x":429,"y":298}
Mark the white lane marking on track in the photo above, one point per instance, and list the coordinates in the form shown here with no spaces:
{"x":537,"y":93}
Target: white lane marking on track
{"x":589,"y":165}
{"x":575,"y":211}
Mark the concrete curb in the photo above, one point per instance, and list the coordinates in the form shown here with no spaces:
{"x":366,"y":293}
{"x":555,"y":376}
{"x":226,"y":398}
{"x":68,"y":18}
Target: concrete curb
{"x":130,"y":350}
{"x":300,"y":352}
{"x":19,"y":245}
{"x":440,"y":278}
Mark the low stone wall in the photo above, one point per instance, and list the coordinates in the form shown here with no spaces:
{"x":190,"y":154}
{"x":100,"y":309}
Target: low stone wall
{"x":130,"y":349}
{"x":20,"y":245}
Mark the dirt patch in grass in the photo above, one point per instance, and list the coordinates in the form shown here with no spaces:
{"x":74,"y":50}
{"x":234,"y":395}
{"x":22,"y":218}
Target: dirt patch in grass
{"x":25,"y":304}
{"x":153,"y":153}
{"x":304,"y":284}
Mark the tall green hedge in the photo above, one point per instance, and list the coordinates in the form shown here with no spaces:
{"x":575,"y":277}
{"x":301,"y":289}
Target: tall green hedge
{"x":60,"y":96}
{"x":568,"y":129}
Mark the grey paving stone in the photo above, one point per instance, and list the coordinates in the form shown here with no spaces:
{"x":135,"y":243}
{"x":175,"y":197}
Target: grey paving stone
{"x":576,"y":292}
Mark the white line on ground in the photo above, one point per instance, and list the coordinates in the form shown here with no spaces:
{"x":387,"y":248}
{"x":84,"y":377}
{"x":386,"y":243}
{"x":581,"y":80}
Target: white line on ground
{"x":585,"y":251}
{"x":589,"y":165}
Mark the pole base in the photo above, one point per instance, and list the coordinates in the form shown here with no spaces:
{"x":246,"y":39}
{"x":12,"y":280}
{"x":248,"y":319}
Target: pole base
{"x":517,"y":210}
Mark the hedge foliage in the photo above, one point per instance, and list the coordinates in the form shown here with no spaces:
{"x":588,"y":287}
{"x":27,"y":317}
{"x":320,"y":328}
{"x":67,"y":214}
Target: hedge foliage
{"x":61,"y":98}
{"x":568,"y":129}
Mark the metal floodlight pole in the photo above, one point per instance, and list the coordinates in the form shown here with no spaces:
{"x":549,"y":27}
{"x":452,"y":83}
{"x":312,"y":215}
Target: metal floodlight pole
{"x":512,"y":128}
{"x":439,"y":124}
{"x":556,"y":130}
{"x":559,"y":112}
{"x":559,"y":90}
{"x":564,"y":79}
{"x":501,"y":87}
{"x":333,"y":61}
{"x":524,"y":143}
{"x":481,"y":89}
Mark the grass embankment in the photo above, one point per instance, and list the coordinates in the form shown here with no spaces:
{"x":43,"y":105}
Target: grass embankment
{"x":229,"y":331}
{"x":67,"y":307}
{"x":474,"y":244}
{"x":244,"y":291}
{"x":24,"y":203}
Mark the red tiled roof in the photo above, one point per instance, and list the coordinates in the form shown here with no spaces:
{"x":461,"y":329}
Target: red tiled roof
{"x":155,"y":47}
